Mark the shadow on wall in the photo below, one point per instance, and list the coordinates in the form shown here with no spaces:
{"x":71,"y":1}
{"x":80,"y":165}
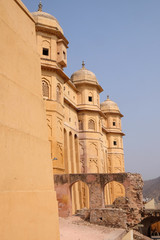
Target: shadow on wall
{"x":79,"y":196}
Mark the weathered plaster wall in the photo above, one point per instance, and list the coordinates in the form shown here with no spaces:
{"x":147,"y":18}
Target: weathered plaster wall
{"x":116,"y":218}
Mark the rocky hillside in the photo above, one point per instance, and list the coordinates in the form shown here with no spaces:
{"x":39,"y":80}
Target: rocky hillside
{"x":151,"y":189}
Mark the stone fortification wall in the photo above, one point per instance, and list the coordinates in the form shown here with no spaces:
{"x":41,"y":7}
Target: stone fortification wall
{"x":28,"y":207}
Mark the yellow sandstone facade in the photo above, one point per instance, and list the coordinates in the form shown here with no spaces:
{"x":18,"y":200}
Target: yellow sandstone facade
{"x":85,"y":135}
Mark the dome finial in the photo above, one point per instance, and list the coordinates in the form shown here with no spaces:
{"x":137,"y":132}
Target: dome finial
{"x":40,"y":7}
{"x":107,"y":96}
{"x":83,"y":64}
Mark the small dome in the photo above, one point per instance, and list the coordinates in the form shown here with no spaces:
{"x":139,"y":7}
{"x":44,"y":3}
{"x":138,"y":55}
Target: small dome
{"x":46,"y":19}
{"x":44,"y":14}
{"x":84,"y":75}
{"x":109,"y":106}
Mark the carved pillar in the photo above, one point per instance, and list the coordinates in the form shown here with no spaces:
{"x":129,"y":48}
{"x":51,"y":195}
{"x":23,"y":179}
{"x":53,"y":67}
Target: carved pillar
{"x":66,"y":162}
{"x":77,"y":154}
{"x":70,"y":153}
{"x":74,"y":170}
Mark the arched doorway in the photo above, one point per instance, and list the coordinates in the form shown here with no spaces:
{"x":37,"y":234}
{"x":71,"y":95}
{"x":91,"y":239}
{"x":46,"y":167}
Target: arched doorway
{"x":113,"y":190}
{"x":79,"y":196}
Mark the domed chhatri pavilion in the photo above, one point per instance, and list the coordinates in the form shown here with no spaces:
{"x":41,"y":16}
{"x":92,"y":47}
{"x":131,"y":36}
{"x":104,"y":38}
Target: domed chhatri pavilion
{"x":85,"y":136}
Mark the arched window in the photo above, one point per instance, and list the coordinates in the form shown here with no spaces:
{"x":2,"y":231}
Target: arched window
{"x":58,"y":93}
{"x":45,"y":89}
{"x":114,"y":123}
{"x":90,"y":97}
{"x":115,"y":142}
{"x":91,"y":125}
{"x":46,"y":49}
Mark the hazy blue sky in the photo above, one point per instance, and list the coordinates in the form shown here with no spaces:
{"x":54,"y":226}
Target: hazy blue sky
{"x":120,"y":42}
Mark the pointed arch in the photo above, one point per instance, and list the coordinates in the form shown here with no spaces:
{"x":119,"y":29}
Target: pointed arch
{"x":91,"y":124}
{"x":79,"y":196}
{"x":90,"y":97}
{"x":58,"y":93}
{"x":45,"y":88}
{"x":112,"y":191}
{"x":46,"y":48}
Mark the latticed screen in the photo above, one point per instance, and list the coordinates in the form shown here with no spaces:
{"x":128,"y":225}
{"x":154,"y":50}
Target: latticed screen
{"x":58,"y":90}
{"x":45,"y":89}
{"x":91,"y":125}
{"x":80,"y":124}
